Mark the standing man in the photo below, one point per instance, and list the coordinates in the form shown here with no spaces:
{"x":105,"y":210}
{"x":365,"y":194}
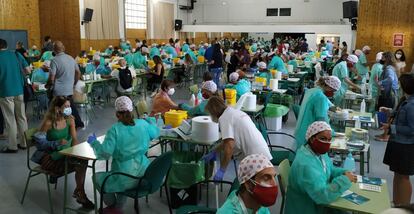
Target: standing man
{"x":64,"y":73}
{"x":362,"y":64}
{"x":13,"y":68}
{"x":240,"y":137}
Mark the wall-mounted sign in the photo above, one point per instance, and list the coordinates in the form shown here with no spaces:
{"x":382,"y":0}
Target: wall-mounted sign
{"x":398,"y":40}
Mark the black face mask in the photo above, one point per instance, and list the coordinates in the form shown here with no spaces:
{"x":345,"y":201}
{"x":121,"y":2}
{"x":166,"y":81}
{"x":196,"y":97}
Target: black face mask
{"x":382,"y":62}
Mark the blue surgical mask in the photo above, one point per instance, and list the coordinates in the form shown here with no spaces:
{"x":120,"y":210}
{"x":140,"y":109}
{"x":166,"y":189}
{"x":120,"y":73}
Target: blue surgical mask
{"x":67,"y":111}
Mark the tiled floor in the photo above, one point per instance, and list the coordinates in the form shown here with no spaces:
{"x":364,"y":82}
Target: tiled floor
{"x":13,"y":172}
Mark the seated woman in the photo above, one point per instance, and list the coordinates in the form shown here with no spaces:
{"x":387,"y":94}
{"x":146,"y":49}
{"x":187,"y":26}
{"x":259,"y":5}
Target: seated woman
{"x":258,"y":189}
{"x":58,"y":132}
{"x":126,"y":143}
{"x":241,"y":86}
{"x":156,"y":75}
{"x":208,"y":89}
{"x":313,"y":180}
{"x":162,"y":101}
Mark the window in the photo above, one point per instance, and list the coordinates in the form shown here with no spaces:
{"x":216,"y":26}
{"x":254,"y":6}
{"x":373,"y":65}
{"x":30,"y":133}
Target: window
{"x":285,"y":11}
{"x":136,"y":14}
{"x":272,"y":12}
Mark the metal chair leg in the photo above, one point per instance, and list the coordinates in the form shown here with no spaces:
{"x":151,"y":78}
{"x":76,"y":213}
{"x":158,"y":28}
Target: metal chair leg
{"x":49,"y":194}
{"x":168,"y":198}
{"x":26,"y":186}
{"x":136,"y":206}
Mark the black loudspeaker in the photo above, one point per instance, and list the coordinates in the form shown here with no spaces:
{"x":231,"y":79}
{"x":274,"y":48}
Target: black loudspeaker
{"x":178,"y":24}
{"x":87,"y":17}
{"x":350,"y":9}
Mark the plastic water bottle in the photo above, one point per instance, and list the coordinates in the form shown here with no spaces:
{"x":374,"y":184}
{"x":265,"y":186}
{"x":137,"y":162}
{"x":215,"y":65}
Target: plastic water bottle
{"x":199,"y":96}
{"x":349,"y":163}
{"x":192,"y":100}
{"x":337,"y":160}
{"x":357,"y":123}
{"x":363,"y":106}
{"x":160,"y":121}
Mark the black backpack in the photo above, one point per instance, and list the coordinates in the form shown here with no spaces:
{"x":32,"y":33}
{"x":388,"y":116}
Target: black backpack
{"x":125,"y":78}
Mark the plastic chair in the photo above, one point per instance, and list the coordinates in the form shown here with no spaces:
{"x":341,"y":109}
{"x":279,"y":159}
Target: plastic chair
{"x":189,"y":209}
{"x":151,"y":182}
{"x":283,"y":178}
{"x":35,"y":170}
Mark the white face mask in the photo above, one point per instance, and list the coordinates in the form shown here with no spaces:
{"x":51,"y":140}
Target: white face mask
{"x":398,"y":56}
{"x":67,"y":111}
{"x":171,"y":91}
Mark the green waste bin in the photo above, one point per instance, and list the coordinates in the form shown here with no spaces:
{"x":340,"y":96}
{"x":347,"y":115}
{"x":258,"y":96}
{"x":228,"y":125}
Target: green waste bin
{"x":186,"y":169}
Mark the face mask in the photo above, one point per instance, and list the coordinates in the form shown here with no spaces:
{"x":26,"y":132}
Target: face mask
{"x":67,"y":111}
{"x":123,"y":67}
{"x":329,"y":93}
{"x":97,"y":63}
{"x":398,"y":56}
{"x":320,"y":147}
{"x":171,"y":91}
{"x":264,"y":194}
{"x":382,"y":62}
{"x":349,"y":65}
{"x":205,"y":96}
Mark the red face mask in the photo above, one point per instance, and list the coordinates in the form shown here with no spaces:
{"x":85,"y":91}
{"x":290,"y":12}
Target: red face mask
{"x":264,"y":195}
{"x":97,"y":63}
{"x":349,"y":65}
{"x":320,"y":147}
{"x":329,"y":93}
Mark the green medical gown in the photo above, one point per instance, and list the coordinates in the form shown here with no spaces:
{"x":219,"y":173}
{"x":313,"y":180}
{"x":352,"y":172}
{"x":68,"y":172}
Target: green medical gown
{"x":310,"y":186}
{"x":127,"y":146}
{"x":129,"y":58}
{"x":315,"y":106}
{"x":375,"y":73}
{"x":233,"y":206}
{"x":362,"y":69}
{"x":154,"y":51}
{"x":278,"y":64}
{"x":265,"y":74}
{"x":199,"y":110}
{"x":138,"y":61}
{"x":341,"y":71}
{"x":48,"y":55}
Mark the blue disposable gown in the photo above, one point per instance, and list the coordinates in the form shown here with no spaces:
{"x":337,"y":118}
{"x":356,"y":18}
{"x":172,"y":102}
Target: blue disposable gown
{"x":362,"y":69}
{"x":48,"y":55}
{"x":315,"y":106}
{"x":310,"y":186}
{"x":185,"y":48}
{"x":154,"y":51}
{"x":129,"y":58}
{"x":341,"y":71}
{"x":125,"y":46}
{"x":375,"y":74}
{"x":127,"y":145}
{"x":278,"y":64}
{"x":138,"y":61}
{"x":101,"y":69}
{"x":39,"y":76}
{"x":201,"y":51}
{"x":199,"y":110}
{"x":233,"y":206}
{"x":109,"y":51}
{"x":171,"y":51}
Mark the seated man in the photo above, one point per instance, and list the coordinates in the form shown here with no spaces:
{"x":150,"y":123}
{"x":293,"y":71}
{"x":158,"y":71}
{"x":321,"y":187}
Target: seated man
{"x":263,"y":72}
{"x":125,"y":78}
{"x":258,"y":189}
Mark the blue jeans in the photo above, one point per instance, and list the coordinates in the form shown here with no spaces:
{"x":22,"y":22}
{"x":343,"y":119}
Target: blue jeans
{"x":216,"y":75}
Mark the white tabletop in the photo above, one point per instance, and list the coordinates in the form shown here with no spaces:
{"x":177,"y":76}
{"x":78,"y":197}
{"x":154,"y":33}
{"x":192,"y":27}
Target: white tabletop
{"x":293,"y":79}
{"x":82,"y":150}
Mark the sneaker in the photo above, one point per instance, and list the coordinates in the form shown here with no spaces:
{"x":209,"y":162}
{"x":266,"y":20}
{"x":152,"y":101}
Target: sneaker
{"x":9,"y":151}
{"x":21,"y":147}
{"x":82,"y":199}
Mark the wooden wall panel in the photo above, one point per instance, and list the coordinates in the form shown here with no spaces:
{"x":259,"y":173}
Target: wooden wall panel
{"x":60,"y":20}
{"x":21,"y":15}
{"x":100,"y":44}
{"x":378,"y":20}
{"x":132,"y":34}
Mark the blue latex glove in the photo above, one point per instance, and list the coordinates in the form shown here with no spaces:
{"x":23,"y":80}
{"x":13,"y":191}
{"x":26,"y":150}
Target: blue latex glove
{"x":219,"y":175}
{"x":92,"y":138}
{"x":211,"y":156}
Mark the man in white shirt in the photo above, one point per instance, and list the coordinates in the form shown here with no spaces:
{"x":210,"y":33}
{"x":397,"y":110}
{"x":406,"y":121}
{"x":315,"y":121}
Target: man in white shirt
{"x":115,"y":73}
{"x":240,"y":137}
